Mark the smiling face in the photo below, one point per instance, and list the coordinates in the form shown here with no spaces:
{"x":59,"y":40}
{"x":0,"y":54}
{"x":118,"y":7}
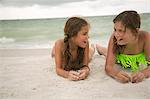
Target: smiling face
{"x":123,"y":35}
{"x":81,"y":39}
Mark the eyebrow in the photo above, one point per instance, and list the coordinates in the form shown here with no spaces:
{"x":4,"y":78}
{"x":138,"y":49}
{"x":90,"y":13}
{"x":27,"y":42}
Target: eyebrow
{"x":120,"y":29}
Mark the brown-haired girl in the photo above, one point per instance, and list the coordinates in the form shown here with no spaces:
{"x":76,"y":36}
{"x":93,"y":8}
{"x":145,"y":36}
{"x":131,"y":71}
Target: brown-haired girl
{"x":130,"y":47}
{"x":72,"y":52}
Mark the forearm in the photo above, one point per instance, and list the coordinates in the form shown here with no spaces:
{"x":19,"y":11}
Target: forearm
{"x":62,"y":72}
{"x":110,"y":71}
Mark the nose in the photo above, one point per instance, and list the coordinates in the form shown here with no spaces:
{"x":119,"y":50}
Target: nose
{"x":117,"y":34}
{"x":87,"y":36}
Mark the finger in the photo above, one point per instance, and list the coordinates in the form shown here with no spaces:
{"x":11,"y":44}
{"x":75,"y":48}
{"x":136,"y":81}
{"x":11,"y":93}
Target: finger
{"x":140,"y":77}
{"x":75,"y":73}
{"x":134,"y":78}
{"x":123,"y":78}
{"x":137,"y":77}
{"x":73,"y":77}
{"x":125,"y":74}
{"x":82,"y":76}
{"x":134,"y":75}
{"x":82,"y":71}
{"x":138,"y":80}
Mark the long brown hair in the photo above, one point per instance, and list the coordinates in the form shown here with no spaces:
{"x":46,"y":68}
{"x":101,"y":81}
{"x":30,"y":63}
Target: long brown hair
{"x":72,"y":27}
{"x":131,"y":20}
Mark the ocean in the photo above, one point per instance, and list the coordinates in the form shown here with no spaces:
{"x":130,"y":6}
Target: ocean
{"x":42,"y":33}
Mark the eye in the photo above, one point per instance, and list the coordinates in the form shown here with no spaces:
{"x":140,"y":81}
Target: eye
{"x":120,"y":30}
{"x":85,"y":33}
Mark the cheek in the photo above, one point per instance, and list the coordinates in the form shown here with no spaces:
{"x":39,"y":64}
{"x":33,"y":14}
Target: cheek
{"x":128,"y":37}
{"x":78,"y":41}
{"x":118,"y":36}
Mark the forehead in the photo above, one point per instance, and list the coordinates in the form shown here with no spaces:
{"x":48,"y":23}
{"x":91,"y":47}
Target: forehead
{"x":119,"y":25}
{"x":85,"y":28}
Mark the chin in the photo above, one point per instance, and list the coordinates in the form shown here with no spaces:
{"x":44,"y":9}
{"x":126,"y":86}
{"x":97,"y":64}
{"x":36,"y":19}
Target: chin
{"x":83,"y":46}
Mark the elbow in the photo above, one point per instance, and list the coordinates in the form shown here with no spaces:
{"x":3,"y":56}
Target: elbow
{"x":61,"y":72}
{"x":108,"y":70}
{"x":57,"y":71}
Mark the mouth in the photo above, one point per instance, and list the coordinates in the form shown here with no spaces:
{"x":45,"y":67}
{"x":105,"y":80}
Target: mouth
{"x":120,"y":41}
{"x":85,"y":42}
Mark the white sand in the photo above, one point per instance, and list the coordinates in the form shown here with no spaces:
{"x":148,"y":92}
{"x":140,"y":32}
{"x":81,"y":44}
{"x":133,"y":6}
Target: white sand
{"x":30,"y":74}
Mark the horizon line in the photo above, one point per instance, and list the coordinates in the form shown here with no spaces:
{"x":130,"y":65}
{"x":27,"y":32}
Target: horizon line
{"x":63,"y":17}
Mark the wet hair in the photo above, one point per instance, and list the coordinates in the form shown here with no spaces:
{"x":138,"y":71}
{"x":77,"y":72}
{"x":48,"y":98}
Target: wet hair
{"x":71,"y":29}
{"x":130,"y":19}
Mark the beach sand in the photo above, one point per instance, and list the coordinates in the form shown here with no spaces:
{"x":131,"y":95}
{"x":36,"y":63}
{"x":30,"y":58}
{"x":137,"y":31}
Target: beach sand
{"x":30,"y":74}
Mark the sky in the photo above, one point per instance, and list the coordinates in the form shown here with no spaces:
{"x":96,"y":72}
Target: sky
{"x":32,"y":9}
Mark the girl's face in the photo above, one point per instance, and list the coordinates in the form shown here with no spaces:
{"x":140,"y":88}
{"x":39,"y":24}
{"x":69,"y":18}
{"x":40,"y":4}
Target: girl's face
{"x":81,"y":39}
{"x":122,"y":35}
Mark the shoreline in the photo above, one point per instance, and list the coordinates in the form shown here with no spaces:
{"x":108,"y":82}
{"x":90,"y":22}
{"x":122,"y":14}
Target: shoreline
{"x":25,"y":52}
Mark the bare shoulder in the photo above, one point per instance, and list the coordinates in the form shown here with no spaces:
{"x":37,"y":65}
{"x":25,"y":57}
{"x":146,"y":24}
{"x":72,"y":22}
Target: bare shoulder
{"x":144,"y":35}
{"x":110,"y":45}
{"x":59,"y":43}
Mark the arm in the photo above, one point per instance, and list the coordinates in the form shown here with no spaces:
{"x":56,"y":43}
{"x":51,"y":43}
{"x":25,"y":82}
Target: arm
{"x":110,"y":59}
{"x":139,"y":76}
{"x":86,"y":57}
{"x":58,"y":59}
{"x":146,"y":71}
{"x":110,"y":63}
{"x":84,"y":71}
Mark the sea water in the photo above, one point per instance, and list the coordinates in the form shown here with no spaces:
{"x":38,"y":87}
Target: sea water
{"x":42,"y":33}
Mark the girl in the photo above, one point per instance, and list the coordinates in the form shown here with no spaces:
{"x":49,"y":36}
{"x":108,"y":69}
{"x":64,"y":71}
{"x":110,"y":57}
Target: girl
{"x":72,"y":52}
{"x":130,"y":47}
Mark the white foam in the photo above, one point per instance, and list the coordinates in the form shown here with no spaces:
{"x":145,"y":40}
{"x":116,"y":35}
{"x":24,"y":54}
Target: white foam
{"x":6,"y":40}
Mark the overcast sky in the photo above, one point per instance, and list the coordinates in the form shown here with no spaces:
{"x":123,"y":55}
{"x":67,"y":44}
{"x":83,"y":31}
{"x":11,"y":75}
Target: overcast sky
{"x":29,"y":9}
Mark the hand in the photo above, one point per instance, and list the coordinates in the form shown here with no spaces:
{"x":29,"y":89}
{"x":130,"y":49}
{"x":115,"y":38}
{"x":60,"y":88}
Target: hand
{"x":137,"y":77}
{"x":73,"y":75}
{"x":83,"y":73}
{"x":122,"y":77}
